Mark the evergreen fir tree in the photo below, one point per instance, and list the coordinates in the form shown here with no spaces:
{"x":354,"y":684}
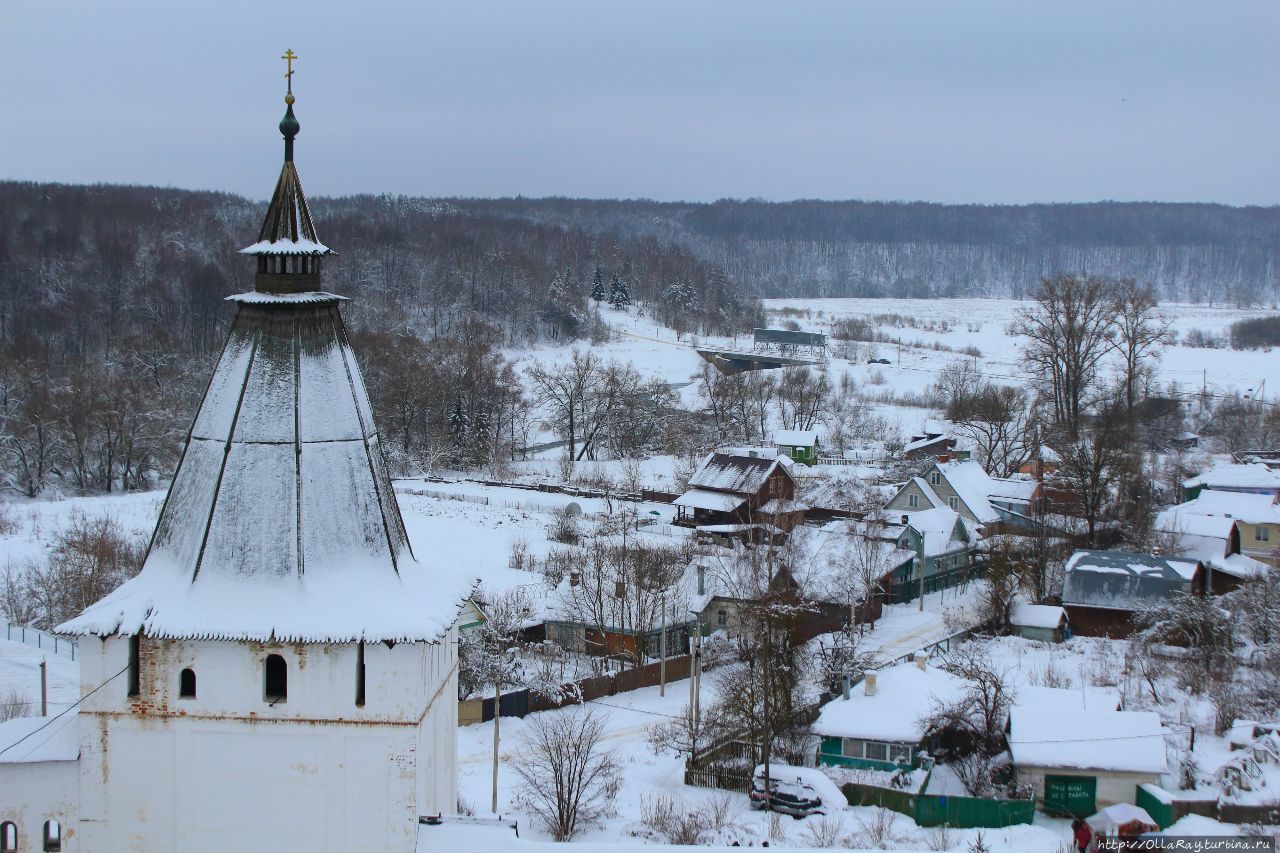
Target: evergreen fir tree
{"x":480,"y":436}
{"x":597,"y":285}
{"x":619,"y":295}
{"x":459,"y":424}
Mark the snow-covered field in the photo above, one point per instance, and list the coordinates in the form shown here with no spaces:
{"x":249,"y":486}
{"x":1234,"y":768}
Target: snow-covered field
{"x":953,"y":323}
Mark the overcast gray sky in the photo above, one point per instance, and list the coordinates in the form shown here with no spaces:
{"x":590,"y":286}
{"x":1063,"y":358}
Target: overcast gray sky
{"x":974,"y":101}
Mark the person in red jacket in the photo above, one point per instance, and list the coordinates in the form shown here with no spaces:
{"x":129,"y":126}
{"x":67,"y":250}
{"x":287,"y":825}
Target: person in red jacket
{"x":1083,"y":834}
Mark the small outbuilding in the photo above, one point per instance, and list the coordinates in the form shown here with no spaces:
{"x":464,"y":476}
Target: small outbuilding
{"x":799,"y":445}
{"x":1101,"y":590}
{"x":1077,"y":760}
{"x":1044,"y":622}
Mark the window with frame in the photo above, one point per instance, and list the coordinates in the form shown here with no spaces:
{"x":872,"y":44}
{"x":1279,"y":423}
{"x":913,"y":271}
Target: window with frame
{"x":8,"y":837}
{"x":876,"y":751}
{"x":1262,"y":534}
{"x":953,"y":502}
{"x":899,"y":752}
{"x":851,"y":748}
{"x":722,"y":617}
{"x":913,"y":501}
{"x":934,"y":478}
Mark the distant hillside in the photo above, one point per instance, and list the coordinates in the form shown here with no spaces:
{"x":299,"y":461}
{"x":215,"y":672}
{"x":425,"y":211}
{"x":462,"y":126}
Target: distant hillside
{"x":1191,"y":252}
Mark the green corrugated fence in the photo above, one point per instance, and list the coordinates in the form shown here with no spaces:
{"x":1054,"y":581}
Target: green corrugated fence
{"x":931,"y":810}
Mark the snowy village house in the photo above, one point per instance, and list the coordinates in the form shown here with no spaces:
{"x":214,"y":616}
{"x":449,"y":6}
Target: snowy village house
{"x":741,"y":497}
{"x":1255,"y":518}
{"x":995,"y":503}
{"x":282,"y":674}
{"x":1102,"y":590}
{"x":881,"y":725}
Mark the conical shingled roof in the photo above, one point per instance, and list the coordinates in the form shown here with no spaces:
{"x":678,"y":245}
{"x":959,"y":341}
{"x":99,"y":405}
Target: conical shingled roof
{"x":287,"y":228}
{"x":281,"y":522}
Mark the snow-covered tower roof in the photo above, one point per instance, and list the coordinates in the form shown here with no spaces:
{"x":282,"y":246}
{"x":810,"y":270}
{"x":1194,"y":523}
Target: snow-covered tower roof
{"x":281,"y":522}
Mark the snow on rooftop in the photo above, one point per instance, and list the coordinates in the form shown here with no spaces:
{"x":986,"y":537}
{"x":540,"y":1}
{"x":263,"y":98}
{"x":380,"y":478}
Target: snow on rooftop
{"x":1250,"y":475}
{"x":714,"y":501}
{"x":742,"y":475}
{"x":1059,"y":698}
{"x":281,"y":521}
{"x":1055,"y":737}
{"x":1122,"y":580}
{"x":285,"y":246}
{"x":25,"y":740}
{"x":1026,"y":615}
{"x":796,"y":437}
{"x":314,"y":297}
{"x":1242,"y":506}
{"x":905,"y":695}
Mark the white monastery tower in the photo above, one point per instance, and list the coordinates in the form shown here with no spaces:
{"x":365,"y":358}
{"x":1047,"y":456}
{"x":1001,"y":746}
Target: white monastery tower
{"x":282,"y":674}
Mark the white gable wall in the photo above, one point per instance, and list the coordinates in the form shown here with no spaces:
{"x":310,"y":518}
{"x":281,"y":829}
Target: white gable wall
{"x":31,"y":794}
{"x":226,"y":770}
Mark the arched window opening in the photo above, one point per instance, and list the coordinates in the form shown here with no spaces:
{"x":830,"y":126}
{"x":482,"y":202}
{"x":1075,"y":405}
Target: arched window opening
{"x":8,"y":837}
{"x":276,"y":675}
{"x":52,"y":836}
{"x":360,"y":675}
{"x":187,"y":684}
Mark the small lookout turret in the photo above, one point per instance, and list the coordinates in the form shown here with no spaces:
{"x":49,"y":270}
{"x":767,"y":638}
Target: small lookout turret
{"x":288,"y":249}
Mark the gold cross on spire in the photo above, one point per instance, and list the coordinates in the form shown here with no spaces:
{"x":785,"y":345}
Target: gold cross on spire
{"x":289,"y":56}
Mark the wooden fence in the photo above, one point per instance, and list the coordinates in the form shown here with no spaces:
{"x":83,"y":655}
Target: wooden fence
{"x":520,"y":703}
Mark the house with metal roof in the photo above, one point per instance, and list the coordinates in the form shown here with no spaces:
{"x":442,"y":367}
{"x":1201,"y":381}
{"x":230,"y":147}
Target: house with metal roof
{"x":1248,"y":478}
{"x":964,"y":487}
{"x":1101,"y":590}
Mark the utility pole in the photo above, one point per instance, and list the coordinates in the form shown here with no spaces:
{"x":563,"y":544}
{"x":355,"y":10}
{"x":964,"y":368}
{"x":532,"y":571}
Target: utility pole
{"x":921,"y":575}
{"x":497,"y":720}
{"x":662,"y":649}
{"x":44,"y":688}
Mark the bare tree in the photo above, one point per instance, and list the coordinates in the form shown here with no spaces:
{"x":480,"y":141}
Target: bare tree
{"x":1139,"y":332}
{"x":998,"y":420}
{"x":563,"y":389}
{"x":977,"y":718}
{"x":1091,"y":467}
{"x":804,"y":397}
{"x":569,"y":778}
{"x":1069,"y":330}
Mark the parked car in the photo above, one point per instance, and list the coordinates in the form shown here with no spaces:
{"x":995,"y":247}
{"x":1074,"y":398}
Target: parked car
{"x":797,"y":791}
{"x":879,"y":361}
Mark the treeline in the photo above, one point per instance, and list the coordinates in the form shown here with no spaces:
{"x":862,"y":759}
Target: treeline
{"x":112,"y":312}
{"x":1188,"y":252}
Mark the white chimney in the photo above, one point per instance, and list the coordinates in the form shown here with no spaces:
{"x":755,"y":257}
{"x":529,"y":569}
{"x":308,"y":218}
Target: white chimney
{"x":869,"y":682}
{"x":921,"y":660}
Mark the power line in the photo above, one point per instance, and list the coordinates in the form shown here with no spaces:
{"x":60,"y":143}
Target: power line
{"x":55,"y":718}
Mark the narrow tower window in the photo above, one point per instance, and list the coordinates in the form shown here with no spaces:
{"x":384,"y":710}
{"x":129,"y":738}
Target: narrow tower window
{"x":276,"y":675}
{"x":135,"y":655}
{"x":360,"y":674}
{"x":52,"y":836}
{"x":8,"y":837}
{"x":187,"y":684}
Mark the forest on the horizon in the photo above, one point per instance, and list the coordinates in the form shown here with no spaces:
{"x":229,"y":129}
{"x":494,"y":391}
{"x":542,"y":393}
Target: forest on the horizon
{"x":112,"y":297}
